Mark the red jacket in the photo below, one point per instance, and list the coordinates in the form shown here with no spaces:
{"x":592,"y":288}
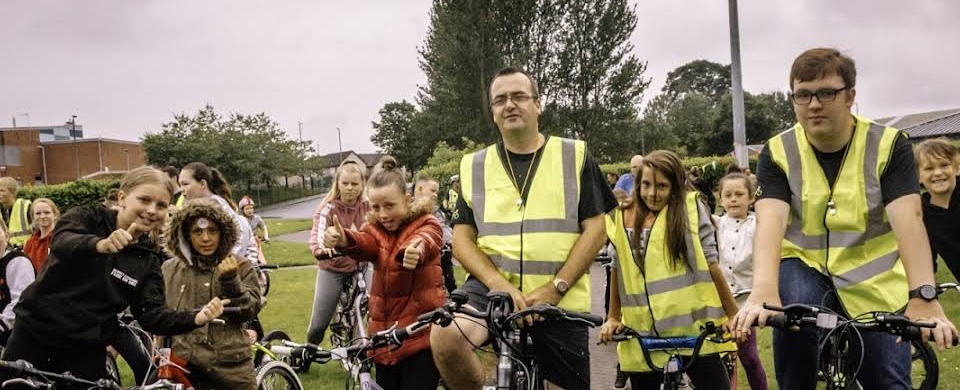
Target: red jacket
{"x":399,"y":295}
{"x":37,"y":248}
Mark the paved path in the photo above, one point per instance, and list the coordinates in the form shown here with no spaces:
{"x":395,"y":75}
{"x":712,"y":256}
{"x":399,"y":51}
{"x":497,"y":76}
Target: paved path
{"x":297,"y":208}
{"x":603,"y":358}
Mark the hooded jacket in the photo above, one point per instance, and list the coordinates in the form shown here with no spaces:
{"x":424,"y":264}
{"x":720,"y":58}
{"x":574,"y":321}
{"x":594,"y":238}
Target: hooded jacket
{"x":193,"y":280}
{"x":398,"y":294}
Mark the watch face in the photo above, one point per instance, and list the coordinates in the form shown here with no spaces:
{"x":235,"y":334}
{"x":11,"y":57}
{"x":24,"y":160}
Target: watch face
{"x":928,"y":292}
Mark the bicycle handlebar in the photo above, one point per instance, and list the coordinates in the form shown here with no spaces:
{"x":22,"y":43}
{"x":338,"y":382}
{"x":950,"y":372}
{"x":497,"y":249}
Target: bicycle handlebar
{"x":23,"y":367}
{"x":895,"y":324}
{"x":653,"y":343}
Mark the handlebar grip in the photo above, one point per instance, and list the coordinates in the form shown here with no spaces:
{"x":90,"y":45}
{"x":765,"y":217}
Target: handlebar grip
{"x":913,"y":333}
{"x":226,"y":310}
{"x":593,"y":319}
{"x":622,"y":337}
{"x":778,"y":321}
{"x":268,"y":266}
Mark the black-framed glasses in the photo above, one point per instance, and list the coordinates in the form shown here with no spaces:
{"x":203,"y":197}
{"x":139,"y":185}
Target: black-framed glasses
{"x":804,"y":97}
{"x":517,"y":98}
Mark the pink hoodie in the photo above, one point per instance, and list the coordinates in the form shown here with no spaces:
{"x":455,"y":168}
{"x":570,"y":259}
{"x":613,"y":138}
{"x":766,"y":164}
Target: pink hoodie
{"x":351,"y":217}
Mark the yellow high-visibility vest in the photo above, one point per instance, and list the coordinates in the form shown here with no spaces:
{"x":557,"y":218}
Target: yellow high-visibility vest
{"x":529,"y":242}
{"x":844,"y":231}
{"x":660,"y":300}
{"x":19,"y":223}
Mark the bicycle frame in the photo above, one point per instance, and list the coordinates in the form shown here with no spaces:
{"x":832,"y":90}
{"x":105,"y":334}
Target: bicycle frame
{"x":351,"y":310}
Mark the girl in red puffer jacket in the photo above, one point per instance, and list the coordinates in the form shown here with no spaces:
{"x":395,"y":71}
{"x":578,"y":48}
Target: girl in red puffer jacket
{"x":402,"y":239}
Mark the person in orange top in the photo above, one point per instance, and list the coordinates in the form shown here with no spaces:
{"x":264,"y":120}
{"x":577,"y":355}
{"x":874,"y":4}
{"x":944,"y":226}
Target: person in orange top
{"x":45,"y":214}
{"x":402,"y":239}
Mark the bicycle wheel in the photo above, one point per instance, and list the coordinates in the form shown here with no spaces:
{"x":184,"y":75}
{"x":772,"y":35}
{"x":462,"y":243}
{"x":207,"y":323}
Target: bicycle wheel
{"x":926,"y":369}
{"x":265,"y":284}
{"x":274,"y":337}
{"x":276,"y":375}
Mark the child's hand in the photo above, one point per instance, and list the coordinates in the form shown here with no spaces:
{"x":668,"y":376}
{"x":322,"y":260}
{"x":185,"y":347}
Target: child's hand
{"x":609,"y":328}
{"x":210,"y":311}
{"x":228,"y":267}
{"x":411,"y":255}
{"x":334,"y":236}
{"x":118,"y":240}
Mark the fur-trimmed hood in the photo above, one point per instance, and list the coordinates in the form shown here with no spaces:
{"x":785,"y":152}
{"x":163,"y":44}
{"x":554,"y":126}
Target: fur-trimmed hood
{"x":178,"y":246}
{"x":419,"y":207}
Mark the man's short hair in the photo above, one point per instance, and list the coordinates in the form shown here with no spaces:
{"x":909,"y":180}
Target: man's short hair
{"x":10,"y":184}
{"x":171,"y":171}
{"x":509,"y":71}
{"x":823,"y":62}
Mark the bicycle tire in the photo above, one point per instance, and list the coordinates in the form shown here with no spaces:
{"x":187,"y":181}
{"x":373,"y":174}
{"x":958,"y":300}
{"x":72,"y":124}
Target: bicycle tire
{"x":273,"y":337}
{"x":924,"y":357}
{"x":277,"y":375}
{"x":265,"y":286}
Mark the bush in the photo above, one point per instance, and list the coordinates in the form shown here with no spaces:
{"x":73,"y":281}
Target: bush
{"x":72,"y":194}
{"x":713,"y":167}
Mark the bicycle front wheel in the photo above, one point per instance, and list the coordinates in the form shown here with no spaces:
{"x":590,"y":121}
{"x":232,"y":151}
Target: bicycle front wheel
{"x":925,"y":372}
{"x":276,"y":375}
{"x":265,"y":284}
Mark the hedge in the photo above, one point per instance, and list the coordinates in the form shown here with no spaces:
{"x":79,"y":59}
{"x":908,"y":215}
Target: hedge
{"x":713,"y":167}
{"x":69,"y":195}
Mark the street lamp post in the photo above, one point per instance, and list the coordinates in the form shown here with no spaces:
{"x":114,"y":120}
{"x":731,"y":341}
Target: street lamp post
{"x":303,"y":177}
{"x":43,"y":155}
{"x":339,"y":146}
{"x":76,"y":149}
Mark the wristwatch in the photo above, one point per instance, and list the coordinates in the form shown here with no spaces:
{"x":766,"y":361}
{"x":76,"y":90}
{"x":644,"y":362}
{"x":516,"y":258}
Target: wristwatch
{"x":561,"y":285}
{"x":926,"y":292}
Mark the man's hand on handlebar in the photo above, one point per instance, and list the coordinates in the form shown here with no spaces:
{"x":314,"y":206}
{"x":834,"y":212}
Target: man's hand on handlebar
{"x":545,"y":294}
{"x":519,"y":301}
{"x":945,"y":331}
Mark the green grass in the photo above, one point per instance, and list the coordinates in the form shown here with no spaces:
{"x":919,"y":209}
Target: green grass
{"x":291,"y":300}
{"x":283,"y":226}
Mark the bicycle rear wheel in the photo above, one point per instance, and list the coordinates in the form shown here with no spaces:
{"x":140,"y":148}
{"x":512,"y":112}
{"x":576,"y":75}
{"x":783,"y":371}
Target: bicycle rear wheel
{"x":113,"y":372}
{"x":275,"y":337}
{"x":276,"y":375}
{"x":265,"y":283}
{"x":925,"y":372}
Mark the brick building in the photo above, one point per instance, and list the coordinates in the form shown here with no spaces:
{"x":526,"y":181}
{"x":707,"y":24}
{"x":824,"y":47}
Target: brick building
{"x":51,"y":155}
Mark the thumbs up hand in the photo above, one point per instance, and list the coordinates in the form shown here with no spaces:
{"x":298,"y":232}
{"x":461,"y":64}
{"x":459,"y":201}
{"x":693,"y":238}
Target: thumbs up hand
{"x":411,"y":255}
{"x":118,"y":240}
{"x":334,"y":236}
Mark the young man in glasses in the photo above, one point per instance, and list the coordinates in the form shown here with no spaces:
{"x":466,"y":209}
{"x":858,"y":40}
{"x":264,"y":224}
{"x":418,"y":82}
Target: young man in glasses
{"x":838,"y":225}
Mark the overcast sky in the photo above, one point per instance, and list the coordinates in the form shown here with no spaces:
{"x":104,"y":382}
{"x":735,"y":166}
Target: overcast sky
{"x":125,"y":67}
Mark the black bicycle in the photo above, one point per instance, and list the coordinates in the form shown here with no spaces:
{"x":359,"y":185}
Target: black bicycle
{"x":837,"y":367}
{"x":515,"y":368}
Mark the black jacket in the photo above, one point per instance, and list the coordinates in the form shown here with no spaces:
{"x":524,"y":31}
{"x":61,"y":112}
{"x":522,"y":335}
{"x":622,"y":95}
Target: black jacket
{"x":78,"y":294}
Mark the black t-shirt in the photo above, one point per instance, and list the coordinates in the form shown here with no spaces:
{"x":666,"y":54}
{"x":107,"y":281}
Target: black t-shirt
{"x":595,"y":194}
{"x":900,"y":177}
{"x":941,"y":228}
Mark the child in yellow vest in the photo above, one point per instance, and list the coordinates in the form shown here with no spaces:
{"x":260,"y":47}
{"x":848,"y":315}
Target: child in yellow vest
{"x":682,"y":285}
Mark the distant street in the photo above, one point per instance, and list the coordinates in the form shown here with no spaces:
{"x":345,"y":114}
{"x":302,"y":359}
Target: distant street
{"x":297,"y":208}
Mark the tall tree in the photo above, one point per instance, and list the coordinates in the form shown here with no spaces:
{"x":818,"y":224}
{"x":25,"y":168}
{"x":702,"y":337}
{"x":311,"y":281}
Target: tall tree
{"x":396,"y":134}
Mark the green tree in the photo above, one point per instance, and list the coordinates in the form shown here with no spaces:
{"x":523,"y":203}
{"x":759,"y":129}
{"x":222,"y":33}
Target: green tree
{"x":396,"y":134}
{"x":245,"y":148}
{"x":701,"y":77}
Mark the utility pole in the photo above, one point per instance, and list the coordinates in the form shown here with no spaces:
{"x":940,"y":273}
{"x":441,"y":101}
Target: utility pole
{"x":76,"y":149}
{"x":739,"y":127}
{"x":303,"y":178}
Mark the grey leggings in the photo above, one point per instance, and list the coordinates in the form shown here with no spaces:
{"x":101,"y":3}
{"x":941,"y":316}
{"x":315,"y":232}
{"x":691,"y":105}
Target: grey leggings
{"x":325,"y":296}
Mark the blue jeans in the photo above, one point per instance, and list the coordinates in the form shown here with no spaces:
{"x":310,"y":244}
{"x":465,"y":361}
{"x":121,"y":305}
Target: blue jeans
{"x":886,"y":364}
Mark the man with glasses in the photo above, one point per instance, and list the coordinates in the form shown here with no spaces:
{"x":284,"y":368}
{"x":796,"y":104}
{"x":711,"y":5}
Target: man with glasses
{"x":838,"y":225}
{"x":529,"y":222}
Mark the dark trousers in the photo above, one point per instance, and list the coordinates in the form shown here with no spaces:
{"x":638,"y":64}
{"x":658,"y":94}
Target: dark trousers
{"x":413,"y":373}
{"x":708,"y":374}
{"x":83,"y":361}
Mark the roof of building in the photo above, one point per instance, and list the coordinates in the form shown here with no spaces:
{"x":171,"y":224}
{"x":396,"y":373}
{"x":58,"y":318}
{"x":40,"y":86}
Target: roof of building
{"x":905,"y":121}
{"x":944,"y":125}
{"x":97,"y":139}
{"x":334,"y":159}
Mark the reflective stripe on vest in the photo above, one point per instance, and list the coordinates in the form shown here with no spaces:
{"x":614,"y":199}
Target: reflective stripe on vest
{"x":19,"y":224}
{"x":545,"y":228}
{"x":853,"y":240}
{"x":662,"y":300}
